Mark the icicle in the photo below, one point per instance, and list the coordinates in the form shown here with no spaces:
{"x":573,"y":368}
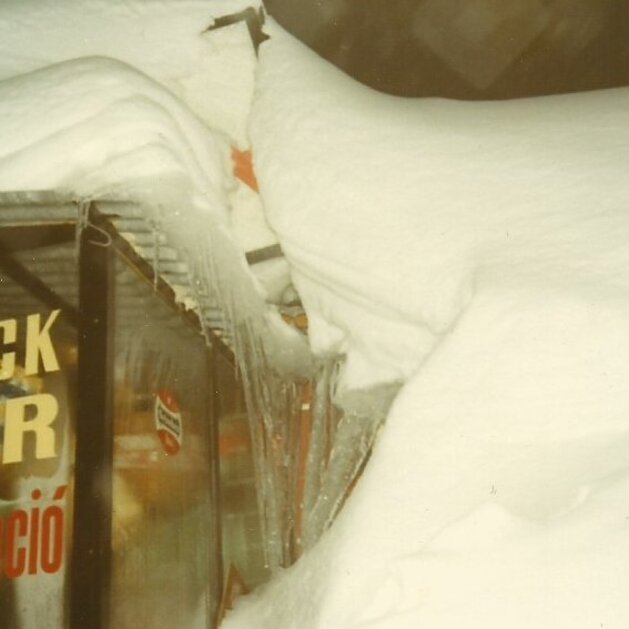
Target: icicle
{"x":156,"y":252}
{"x":304,"y":466}
{"x":83,"y":208}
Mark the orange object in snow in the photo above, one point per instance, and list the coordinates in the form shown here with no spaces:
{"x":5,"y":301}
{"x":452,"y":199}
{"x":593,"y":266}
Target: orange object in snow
{"x":243,"y":168}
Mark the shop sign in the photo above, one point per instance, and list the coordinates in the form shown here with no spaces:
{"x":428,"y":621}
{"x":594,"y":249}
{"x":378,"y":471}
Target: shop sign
{"x":31,"y":537}
{"x":168,"y":422}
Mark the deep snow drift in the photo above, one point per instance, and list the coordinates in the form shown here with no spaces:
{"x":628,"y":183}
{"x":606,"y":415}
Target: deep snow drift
{"x":394,"y":211}
{"x":480,"y":252}
{"x":477,"y":252}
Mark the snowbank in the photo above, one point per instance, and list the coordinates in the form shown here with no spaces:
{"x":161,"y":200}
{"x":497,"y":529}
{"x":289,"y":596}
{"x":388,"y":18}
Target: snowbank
{"x":481,"y":253}
{"x":392,"y":211}
{"x":494,"y":495}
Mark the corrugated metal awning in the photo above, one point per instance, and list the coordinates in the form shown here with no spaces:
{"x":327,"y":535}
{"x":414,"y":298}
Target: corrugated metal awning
{"x":48,"y":255}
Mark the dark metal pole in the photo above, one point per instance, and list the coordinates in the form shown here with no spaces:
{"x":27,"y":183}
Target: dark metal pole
{"x":91,"y":551}
{"x":216,"y":558}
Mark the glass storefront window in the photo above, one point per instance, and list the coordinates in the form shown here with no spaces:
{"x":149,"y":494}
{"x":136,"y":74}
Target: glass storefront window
{"x":108,"y":447}
{"x":164,"y":562}
{"x":37,"y":418}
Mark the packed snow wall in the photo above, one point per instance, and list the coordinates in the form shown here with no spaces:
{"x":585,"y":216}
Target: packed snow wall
{"x":478,"y":253}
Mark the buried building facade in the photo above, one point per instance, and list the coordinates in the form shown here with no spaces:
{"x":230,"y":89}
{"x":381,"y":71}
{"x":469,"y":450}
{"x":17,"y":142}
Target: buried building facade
{"x":466,"y":260}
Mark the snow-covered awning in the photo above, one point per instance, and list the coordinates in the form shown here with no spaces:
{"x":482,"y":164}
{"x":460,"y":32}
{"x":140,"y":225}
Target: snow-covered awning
{"x":41,"y":212}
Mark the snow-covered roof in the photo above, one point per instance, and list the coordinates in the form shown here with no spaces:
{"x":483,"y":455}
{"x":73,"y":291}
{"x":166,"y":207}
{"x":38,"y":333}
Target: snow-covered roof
{"x":96,"y":129}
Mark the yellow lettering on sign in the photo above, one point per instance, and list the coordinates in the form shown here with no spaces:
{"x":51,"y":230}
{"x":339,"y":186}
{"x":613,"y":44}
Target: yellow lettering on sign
{"x":39,"y":343}
{"x":7,"y":359}
{"x":16,"y":424}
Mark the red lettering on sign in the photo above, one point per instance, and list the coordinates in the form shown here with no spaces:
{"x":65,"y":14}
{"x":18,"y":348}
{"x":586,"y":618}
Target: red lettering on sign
{"x":52,"y":539}
{"x":33,"y":551}
{"x":17,"y":527}
{"x":32,"y":541}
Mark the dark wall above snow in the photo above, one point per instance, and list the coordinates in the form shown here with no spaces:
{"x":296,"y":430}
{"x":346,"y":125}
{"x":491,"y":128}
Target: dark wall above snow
{"x":472,"y":49}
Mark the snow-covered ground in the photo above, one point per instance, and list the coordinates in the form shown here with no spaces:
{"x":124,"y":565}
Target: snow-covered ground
{"x":477,"y":253}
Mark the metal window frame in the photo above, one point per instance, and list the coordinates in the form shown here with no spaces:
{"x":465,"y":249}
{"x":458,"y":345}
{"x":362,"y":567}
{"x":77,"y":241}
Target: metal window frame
{"x":91,"y":535}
